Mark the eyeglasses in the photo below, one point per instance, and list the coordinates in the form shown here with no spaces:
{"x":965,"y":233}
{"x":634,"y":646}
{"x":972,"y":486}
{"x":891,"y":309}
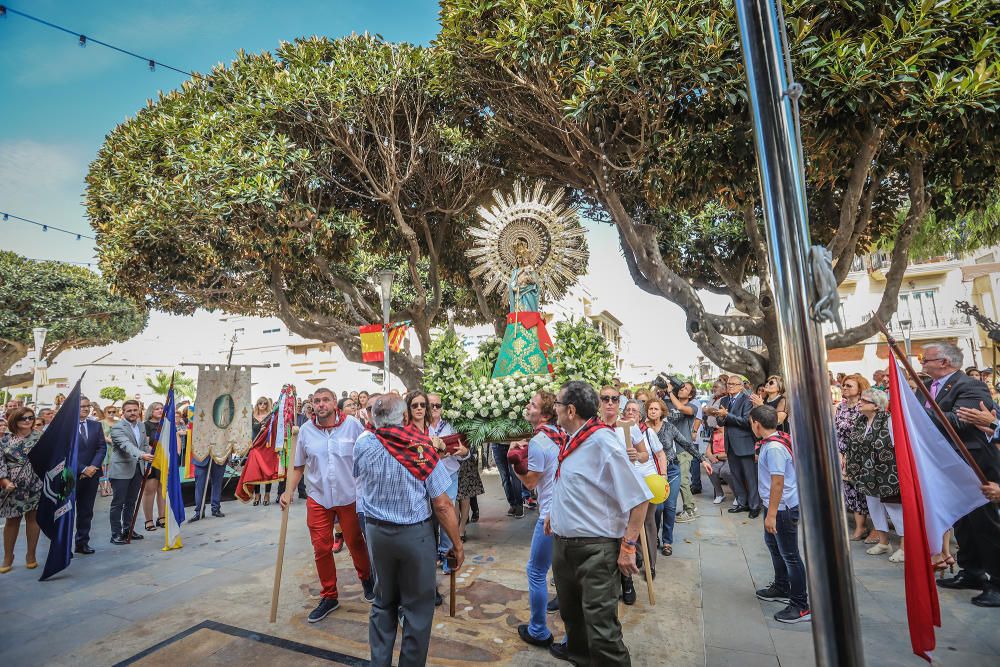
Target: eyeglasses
{"x":26,"y":418}
{"x":927,"y":361}
{"x":435,"y":406}
{"x":868,"y":401}
{"x":610,"y":399}
{"x":563,"y":403}
{"x":415,"y":406}
{"x":771,"y":382}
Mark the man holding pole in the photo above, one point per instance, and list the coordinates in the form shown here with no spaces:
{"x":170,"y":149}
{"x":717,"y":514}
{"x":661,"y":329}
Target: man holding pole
{"x":129,"y":446}
{"x":401,"y":479}
{"x":324,"y":453}
{"x":598,"y":509}
{"x":978,"y":532}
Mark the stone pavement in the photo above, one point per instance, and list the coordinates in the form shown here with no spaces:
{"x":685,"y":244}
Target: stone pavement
{"x":212,"y":598}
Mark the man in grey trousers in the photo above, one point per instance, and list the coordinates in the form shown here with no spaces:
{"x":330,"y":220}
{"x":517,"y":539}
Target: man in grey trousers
{"x":129,"y":446}
{"x":398,"y":471}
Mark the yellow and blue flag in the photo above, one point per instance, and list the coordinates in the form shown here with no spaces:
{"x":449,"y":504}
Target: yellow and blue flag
{"x":167,"y":461}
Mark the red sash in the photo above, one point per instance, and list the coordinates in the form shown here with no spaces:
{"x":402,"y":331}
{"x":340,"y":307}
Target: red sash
{"x":554,"y":433}
{"x":339,"y":417}
{"x":778,"y":436}
{"x":411,"y":448}
{"x":591,"y":426}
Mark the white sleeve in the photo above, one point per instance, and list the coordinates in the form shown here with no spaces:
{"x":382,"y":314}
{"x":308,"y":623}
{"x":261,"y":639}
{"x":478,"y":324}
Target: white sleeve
{"x":622,"y":483}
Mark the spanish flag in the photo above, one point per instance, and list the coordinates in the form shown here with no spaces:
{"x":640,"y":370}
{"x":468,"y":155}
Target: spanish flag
{"x":372,"y":344}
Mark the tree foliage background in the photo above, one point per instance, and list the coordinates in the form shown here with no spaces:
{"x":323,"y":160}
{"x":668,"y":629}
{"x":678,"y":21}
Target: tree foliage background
{"x":72,"y":302}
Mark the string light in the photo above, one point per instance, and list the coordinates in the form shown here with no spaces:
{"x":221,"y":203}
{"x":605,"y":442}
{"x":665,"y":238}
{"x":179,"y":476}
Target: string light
{"x":45,"y":227}
{"x":83,"y":40}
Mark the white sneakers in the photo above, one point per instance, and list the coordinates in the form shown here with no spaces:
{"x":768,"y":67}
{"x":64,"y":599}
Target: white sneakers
{"x":896,"y":557}
{"x":718,"y":500}
{"x":878,"y":550}
{"x":685,"y":517}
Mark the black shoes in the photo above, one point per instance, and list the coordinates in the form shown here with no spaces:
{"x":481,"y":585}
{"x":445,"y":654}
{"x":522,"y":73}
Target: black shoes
{"x":325,"y":608}
{"x":137,"y":536}
{"x":772,"y":594}
{"x":792,"y":614}
{"x":522,"y":631}
{"x":519,"y":512}
{"x":84,"y":549}
{"x":964,"y":580}
{"x":553,"y":605}
{"x":510,"y":512}
{"x":118,"y":539}
{"x":559,"y":651}
{"x":369,"y":589}
{"x":438,"y":600}
{"x":990,"y":597}
{"x":628,"y":591}
{"x":198,"y":514}
{"x":218,"y":514}
{"x":754,"y":513}
{"x":474,"y":518}
{"x":738,"y":509}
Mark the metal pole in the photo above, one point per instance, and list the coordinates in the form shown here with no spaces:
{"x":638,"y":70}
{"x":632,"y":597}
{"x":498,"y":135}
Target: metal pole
{"x":836,"y":631}
{"x":385,"y":341}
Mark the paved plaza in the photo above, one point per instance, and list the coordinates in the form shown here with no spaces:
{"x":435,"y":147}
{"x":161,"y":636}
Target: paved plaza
{"x":208,"y":603}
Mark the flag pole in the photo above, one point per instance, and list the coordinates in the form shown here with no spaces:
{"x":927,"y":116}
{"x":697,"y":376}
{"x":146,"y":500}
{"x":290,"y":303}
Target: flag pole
{"x":929,"y":400}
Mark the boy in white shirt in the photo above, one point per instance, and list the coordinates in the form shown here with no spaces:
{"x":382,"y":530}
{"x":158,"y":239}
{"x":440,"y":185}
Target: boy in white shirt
{"x":776,"y":483}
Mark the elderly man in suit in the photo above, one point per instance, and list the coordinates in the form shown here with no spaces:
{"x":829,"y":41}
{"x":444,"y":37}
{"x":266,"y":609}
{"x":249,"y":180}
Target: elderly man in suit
{"x":734,"y":415}
{"x":90,"y":456}
{"x":978,"y":532}
{"x":129,"y":446}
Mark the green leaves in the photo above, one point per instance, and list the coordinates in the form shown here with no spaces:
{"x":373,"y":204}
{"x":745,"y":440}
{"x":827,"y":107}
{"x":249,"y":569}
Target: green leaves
{"x":581,"y":353}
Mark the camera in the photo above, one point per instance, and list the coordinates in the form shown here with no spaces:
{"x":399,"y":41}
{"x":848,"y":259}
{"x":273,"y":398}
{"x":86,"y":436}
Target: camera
{"x":667,"y":382}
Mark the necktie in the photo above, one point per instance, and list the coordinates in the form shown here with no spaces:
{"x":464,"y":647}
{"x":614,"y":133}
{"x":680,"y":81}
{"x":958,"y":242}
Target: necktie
{"x":83,"y":429}
{"x":935,"y":386}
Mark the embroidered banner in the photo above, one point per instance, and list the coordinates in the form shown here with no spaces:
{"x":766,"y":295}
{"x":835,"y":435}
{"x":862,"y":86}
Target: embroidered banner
{"x":222,"y":419}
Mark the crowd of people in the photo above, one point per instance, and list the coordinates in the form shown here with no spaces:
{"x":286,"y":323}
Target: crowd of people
{"x":610,"y":472}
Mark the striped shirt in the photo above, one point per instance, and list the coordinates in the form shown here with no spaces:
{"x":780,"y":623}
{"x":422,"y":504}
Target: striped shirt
{"x":391,"y":493}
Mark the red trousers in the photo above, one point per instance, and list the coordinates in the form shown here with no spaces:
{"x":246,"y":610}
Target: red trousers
{"x":320,"y":522}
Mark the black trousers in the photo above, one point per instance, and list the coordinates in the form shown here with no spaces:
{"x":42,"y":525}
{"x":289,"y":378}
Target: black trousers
{"x":123,"y":502}
{"x":86,"y":493}
{"x":978,"y":532}
{"x":744,"y":471}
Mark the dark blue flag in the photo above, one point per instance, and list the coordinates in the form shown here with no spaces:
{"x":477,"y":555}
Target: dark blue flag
{"x":54,"y":461}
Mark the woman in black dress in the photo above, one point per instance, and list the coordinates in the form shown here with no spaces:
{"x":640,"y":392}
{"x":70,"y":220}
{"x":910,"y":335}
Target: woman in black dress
{"x":151,"y":489}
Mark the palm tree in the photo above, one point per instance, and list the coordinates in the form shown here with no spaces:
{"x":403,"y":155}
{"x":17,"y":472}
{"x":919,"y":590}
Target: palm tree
{"x":160,"y":384}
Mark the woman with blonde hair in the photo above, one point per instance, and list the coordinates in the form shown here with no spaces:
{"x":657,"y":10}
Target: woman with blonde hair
{"x":848,"y":412}
{"x":20,"y":487}
{"x":261,"y":409}
{"x":151,"y":487}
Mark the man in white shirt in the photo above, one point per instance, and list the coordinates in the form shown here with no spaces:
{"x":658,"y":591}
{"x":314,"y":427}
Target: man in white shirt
{"x":324,"y":453}
{"x":598,"y":508}
{"x":543,"y":459}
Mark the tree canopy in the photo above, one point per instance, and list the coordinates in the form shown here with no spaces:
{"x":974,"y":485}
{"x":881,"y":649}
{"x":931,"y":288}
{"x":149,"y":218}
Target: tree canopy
{"x":641,"y":109}
{"x":72,"y":302}
{"x":280,"y":184}
{"x":160,"y":382}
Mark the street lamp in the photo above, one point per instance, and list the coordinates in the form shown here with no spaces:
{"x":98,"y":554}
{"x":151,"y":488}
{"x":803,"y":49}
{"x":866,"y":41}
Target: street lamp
{"x":39,"y":335}
{"x":385,"y":278}
{"x":906,"y":325}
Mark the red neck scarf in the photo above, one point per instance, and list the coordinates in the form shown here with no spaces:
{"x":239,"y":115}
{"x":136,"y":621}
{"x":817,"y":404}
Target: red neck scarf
{"x":778,"y":436}
{"x":589,"y":428}
{"x":554,"y":433}
{"x":411,"y":448}
{"x":339,"y":417}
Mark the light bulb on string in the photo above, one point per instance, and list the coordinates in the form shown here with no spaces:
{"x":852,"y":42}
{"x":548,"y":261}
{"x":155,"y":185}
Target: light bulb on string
{"x":152,"y":65}
{"x":83,"y":41}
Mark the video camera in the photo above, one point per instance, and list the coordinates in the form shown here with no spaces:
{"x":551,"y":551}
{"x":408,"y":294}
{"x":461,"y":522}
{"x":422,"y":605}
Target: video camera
{"x":667,"y":382}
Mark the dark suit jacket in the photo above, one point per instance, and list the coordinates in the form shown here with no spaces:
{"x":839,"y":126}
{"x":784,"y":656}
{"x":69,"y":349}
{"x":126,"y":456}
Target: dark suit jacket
{"x":91,"y":449}
{"x":739,"y":437}
{"x":961,"y":391}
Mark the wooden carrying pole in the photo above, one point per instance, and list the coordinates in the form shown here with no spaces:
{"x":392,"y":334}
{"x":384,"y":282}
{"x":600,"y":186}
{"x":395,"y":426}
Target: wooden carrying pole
{"x":627,"y":430}
{"x":451,"y":594}
{"x":278,"y":564}
{"x":929,"y":400}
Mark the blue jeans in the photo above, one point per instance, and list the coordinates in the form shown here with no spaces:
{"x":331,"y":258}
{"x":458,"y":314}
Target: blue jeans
{"x":511,"y":484}
{"x":666,"y":512}
{"x":201,"y":477}
{"x":789,"y":570}
{"x":445,"y":543}
{"x":539,"y":562}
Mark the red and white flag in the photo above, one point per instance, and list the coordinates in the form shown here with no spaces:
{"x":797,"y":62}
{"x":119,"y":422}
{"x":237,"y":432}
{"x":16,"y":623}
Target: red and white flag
{"x":937,"y":487}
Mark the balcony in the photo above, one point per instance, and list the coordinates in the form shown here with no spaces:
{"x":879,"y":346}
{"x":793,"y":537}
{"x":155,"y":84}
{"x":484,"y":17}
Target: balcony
{"x":877,"y":265}
{"x":931,"y":325}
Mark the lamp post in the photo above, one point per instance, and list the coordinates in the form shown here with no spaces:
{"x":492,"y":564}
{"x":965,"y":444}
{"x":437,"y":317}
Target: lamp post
{"x":385,"y":278}
{"x":906,"y":326}
{"x":39,"y":335}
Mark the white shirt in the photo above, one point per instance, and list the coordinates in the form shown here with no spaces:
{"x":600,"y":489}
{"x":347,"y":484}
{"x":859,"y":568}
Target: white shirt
{"x":637,"y":436}
{"x":328,"y":457}
{"x":653,"y":445}
{"x":543,"y":457}
{"x":596,"y":490}
{"x":775,"y":459}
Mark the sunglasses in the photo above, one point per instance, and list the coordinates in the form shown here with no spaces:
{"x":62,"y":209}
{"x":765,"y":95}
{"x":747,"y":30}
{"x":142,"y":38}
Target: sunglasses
{"x":435,"y":406}
{"x":610,"y":399}
{"x":414,"y":406}
{"x":27,"y":418}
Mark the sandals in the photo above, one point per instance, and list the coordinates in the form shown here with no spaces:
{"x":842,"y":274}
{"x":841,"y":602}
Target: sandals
{"x":149,"y":525}
{"x":267,"y":500}
{"x":161,"y":522}
{"x":256,"y":501}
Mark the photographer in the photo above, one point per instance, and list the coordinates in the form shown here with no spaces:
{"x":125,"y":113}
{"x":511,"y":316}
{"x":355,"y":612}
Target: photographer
{"x":682,"y":412}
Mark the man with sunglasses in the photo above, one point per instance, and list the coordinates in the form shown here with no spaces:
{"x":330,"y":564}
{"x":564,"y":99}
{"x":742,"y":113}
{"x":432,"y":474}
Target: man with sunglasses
{"x":978,"y":532}
{"x":734,"y":416}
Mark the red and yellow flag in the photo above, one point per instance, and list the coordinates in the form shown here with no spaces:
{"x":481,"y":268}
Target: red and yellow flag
{"x":372,"y":345}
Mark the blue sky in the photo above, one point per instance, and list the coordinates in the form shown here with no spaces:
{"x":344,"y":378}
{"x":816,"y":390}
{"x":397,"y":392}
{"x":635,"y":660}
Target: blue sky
{"x":58,"y":101}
